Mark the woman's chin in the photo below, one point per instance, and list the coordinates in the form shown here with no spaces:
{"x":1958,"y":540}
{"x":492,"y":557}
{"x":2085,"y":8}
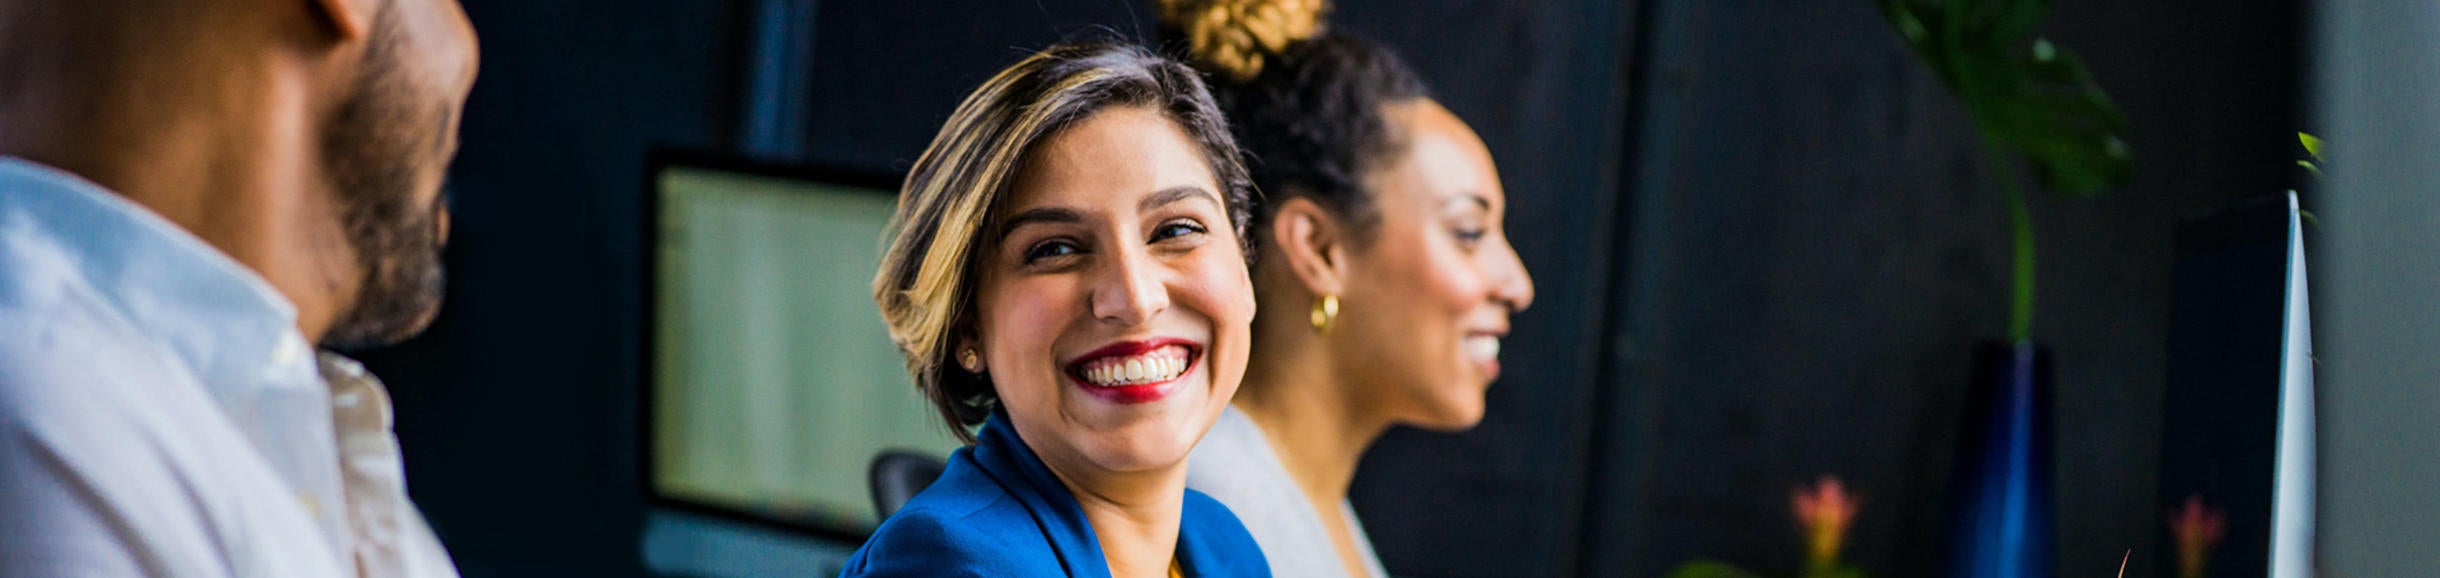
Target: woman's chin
{"x":1453,"y":415}
{"x":1148,"y":451}
{"x":1148,"y":441}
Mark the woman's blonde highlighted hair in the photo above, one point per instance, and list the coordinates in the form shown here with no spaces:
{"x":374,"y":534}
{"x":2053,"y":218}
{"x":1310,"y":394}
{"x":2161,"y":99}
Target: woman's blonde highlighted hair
{"x":951,"y":199}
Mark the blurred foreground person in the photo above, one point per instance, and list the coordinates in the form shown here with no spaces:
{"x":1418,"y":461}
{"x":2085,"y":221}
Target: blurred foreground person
{"x":1386,"y":279}
{"x":1068,"y":271}
{"x":195,"y":196}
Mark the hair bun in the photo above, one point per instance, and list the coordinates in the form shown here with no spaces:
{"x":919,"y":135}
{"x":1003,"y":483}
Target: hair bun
{"x":1233,"y":37}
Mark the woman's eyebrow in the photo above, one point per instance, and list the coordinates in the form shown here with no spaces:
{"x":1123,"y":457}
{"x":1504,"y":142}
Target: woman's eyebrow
{"x":1460,"y":198}
{"x":1063,"y":215}
{"x":1039,"y":216}
{"x":1174,"y":194}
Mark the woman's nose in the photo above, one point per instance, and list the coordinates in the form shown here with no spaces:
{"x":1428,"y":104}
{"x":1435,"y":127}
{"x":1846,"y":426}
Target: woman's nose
{"x":1131,"y":291}
{"x":1515,"y":285}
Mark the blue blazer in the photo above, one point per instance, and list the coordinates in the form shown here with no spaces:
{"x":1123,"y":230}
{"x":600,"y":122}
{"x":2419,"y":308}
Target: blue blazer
{"x":997,"y":511}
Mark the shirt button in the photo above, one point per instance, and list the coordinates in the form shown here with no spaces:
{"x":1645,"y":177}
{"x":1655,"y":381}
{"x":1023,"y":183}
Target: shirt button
{"x":287,"y":352}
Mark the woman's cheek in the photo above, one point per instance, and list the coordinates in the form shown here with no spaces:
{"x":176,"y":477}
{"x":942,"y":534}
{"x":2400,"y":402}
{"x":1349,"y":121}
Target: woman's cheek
{"x":1245,"y":292}
{"x":1029,"y":314}
{"x":1462,"y":281}
{"x":1224,"y":295}
{"x":1231,"y":287}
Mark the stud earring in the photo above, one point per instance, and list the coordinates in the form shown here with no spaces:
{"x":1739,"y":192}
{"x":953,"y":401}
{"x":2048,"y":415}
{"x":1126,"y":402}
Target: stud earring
{"x":968,"y":359}
{"x":1325,"y":311}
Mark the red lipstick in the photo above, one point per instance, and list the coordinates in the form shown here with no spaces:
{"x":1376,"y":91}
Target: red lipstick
{"x":1134,"y":393}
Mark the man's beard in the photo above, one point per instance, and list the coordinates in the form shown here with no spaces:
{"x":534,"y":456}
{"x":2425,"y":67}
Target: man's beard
{"x":377,"y":150}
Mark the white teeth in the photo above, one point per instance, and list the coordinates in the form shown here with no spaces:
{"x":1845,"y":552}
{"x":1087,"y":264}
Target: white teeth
{"x":1483,"y":348}
{"x":1153,"y":367}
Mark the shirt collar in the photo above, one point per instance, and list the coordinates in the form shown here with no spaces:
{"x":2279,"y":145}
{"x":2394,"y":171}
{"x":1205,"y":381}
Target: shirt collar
{"x":219,"y":317}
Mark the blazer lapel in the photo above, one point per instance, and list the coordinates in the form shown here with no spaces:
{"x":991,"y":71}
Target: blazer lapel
{"x":1006,"y":459}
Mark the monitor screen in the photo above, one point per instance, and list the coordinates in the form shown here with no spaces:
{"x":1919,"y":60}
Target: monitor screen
{"x":773,"y":382}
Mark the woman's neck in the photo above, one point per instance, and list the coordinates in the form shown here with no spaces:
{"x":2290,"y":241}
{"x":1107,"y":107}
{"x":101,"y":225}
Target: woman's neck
{"x":1134,"y":515}
{"x":1317,"y":424}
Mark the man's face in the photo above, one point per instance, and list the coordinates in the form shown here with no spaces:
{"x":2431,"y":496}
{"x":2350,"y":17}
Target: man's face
{"x":386,"y":150}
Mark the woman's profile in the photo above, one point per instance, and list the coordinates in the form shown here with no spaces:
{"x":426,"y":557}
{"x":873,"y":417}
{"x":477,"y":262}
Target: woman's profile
{"x":1386,"y":279}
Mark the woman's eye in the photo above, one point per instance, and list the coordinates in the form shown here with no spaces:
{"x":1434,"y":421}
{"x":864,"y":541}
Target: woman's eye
{"x":1176,"y":230}
{"x":1471,"y":237}
{"x":1051,"y":249}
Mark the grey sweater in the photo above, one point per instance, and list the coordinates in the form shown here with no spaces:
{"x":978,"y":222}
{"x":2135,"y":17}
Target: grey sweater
{"x":1235,"y":464}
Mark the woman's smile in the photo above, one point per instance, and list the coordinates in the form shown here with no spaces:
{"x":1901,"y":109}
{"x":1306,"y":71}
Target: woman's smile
{"x":1484,"y":348}
{"x":1134,"y":372}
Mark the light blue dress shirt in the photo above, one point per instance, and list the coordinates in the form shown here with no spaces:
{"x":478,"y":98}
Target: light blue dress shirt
{"x":161,"y":415}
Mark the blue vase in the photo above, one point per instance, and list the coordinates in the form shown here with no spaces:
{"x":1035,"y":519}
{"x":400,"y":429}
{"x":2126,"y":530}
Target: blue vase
{"x":2003,"y":521}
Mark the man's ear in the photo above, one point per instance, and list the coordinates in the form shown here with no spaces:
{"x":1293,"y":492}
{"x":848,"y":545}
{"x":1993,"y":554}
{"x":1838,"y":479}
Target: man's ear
{"x":348,"y":19}
{"x":1312,"y":243}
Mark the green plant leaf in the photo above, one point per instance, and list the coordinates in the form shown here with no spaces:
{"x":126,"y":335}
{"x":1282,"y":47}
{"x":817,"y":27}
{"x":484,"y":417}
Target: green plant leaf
{"x":2024,"y":92}
{"x":2027,"y":96}
{"x":1709,"y":569}
{"x":2018,"y":19}
{"x":2312,"y":146}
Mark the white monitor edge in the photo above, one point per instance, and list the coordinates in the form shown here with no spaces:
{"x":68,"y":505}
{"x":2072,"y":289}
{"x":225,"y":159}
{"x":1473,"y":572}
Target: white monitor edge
{"x":2293,"y":497}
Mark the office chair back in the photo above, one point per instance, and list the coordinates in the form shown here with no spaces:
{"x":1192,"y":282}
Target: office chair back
{"x":897,"y":475}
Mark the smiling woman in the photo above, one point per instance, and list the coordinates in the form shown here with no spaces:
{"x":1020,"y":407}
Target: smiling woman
{"x":1070,"y":273}
{"x":1387,"y":271}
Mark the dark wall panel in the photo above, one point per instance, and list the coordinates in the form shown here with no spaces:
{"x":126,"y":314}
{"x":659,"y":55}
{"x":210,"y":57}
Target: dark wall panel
{"x":1815,"y":247}
{"x":887,"y":74}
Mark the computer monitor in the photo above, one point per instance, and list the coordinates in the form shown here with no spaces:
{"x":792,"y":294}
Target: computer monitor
{"x":770,"y":380}
{"x":2237,"y":450}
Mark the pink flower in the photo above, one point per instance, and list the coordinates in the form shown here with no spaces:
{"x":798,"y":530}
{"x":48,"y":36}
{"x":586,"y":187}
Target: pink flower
{"x":2198,"y":529}
{"x":1823,"y":513}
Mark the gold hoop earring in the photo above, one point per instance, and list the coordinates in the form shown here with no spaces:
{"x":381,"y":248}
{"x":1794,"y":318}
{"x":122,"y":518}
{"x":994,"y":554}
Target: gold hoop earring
{"x":1325,"y":311}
